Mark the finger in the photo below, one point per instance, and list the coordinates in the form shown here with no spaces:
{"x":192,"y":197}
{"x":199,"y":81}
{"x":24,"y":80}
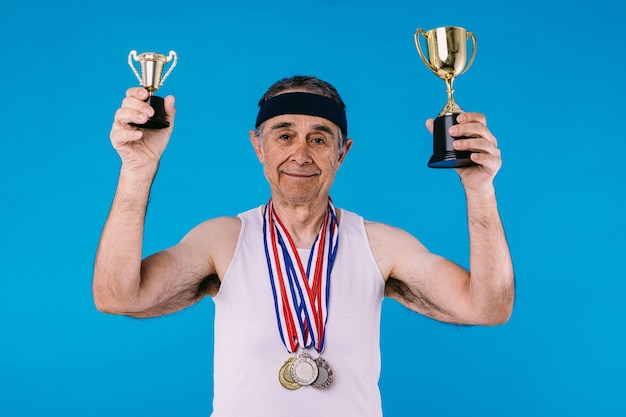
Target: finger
{"x":120,"y":137}
{"x":136,"y":99}
{"x":139,"y":105}
{"x":479,"y":144}
{"x":472,"y":117}
{"x":472,"y":130}
{"x":139,"y":93}
{"x":430,"y":123}
{"x":124,"y":116}
{"x":491,"y":163}
{"x":170,"y":109}
{"x":474,"y":124}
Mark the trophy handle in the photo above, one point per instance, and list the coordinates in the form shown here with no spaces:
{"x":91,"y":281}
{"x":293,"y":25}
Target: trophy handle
{"x":133,"y":55}
{"x":169,"y":58}
{"x":469,"y":64}
{"x":419,"y":49}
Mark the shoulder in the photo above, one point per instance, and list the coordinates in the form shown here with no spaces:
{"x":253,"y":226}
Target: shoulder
{"x":390,"y":245}
{"x":377,"y":233}
{"x":225,"y":227}
{"x":384,"y":233}
{"x":212,"y":242}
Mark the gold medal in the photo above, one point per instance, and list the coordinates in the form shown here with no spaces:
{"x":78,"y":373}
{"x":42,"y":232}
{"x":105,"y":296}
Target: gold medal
{"x":284,"y":376}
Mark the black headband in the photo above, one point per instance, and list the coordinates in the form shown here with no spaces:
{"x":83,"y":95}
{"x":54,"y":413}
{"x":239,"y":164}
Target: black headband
{"x":303,"y":103}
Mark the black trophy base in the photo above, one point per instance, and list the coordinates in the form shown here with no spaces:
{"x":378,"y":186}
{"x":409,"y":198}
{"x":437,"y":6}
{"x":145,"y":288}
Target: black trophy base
{"x":158,"y":120}
{"x":444,"y":155}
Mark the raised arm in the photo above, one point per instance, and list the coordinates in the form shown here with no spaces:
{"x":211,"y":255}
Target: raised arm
{"x":169,"y":280}
{"x":437,"y":287}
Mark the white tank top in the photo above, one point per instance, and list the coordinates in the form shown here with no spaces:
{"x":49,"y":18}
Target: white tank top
{"x":248,"y":348}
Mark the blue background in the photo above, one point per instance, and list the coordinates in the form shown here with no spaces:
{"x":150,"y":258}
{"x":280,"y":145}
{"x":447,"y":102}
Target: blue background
{"x":547,"y":74}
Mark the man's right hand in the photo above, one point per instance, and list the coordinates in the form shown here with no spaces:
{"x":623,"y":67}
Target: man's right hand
{"x":140,"y":149}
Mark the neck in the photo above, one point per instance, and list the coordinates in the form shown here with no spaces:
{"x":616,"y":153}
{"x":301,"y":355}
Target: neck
{"x":302,"y":221}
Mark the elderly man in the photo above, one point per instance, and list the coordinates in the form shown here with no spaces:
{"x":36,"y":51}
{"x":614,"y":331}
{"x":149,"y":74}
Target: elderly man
{"x":297,"y":283}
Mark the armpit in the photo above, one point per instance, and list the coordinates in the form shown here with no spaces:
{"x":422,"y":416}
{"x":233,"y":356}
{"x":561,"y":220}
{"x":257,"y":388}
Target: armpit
{"x":414,"y":300}
{"x":208,"y":286}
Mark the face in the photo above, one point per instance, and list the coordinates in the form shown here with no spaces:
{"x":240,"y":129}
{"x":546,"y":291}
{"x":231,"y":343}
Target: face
{"x":300,"y":156}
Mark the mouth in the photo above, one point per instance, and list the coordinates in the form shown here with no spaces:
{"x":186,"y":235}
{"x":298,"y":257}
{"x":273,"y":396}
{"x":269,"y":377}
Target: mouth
{"x":300,"y":174}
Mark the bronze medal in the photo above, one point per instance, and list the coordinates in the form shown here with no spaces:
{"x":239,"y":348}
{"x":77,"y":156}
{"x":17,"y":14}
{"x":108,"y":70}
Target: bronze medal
{"x":324,"y":375}
{"x":284,"y":376}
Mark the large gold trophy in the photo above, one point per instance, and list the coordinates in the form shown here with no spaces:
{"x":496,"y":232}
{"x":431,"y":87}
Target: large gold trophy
{"x":152,"y":65}
{"x":447,"y":58}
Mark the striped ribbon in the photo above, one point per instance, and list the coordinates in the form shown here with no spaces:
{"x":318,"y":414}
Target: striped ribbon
{"x":301,"y":293}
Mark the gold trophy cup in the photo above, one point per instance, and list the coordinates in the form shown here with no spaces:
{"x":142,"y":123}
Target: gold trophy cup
{"x":447,"y":58}
{"x":152,"y":65}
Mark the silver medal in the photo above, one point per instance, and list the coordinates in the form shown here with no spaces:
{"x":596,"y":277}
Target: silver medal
{"x":324,"y":375}
{"x":304,"y":369}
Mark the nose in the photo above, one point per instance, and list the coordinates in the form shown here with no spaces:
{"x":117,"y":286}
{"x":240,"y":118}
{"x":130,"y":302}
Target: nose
{"x":301,"y":154}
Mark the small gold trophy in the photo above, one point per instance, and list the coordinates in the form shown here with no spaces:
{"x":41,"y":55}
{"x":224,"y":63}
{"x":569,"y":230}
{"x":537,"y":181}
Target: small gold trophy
{"x":151,"y":69}
{"x":447,"y":58}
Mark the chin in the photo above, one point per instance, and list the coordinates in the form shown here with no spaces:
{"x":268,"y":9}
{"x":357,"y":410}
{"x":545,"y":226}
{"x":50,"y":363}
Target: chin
{"x":298,"y":196}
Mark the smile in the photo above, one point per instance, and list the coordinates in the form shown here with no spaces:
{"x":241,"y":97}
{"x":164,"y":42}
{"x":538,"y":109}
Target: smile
{"x":300,"y":174}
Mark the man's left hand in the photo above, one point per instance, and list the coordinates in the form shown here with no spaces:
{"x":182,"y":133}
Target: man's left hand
{"x":483,"y":145}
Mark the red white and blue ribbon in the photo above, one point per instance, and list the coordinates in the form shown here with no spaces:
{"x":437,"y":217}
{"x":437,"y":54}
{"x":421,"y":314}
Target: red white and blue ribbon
{"x":301,"y":290}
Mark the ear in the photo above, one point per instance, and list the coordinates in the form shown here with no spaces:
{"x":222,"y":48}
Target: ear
{"x":257,"y":145}
{"x":346,"y":148}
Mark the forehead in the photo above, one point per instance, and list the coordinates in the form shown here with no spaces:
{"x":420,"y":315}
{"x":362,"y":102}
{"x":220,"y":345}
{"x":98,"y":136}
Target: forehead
{"x":301,"y":122}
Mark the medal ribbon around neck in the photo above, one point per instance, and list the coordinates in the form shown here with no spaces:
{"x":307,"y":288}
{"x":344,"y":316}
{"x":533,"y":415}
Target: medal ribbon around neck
{"x":300,"y":294}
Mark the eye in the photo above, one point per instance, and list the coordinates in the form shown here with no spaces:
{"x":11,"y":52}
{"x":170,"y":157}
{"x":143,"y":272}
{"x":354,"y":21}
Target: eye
{"x":319,"y":140}
{"x":284,"y":136}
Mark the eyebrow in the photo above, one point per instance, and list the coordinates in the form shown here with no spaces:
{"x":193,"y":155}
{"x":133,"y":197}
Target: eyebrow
{"x":324,"y":128}
{"x":283,"y":125}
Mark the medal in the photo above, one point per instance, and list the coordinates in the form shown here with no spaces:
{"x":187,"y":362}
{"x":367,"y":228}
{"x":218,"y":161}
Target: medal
{"x":304,"y":370}
{"x":301,"y":291}
{"x":284,"y":376}
{"x":324,"y":374}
